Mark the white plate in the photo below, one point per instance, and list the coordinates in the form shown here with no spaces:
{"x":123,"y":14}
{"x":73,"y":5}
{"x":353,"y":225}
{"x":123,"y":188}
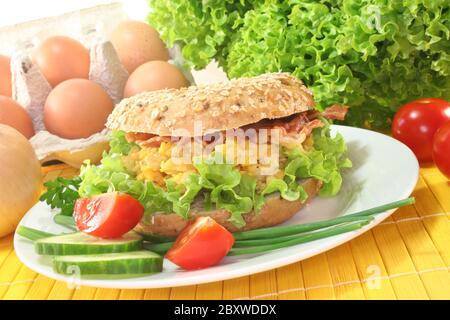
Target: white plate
{"x":384,"y":170}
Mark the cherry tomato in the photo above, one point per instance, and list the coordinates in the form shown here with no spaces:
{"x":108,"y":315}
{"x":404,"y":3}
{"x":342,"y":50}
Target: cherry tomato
{"x":201,"y":244}
{"x":416,"y":122}
{"x":441,"y":149}
{"x":109,"y":215}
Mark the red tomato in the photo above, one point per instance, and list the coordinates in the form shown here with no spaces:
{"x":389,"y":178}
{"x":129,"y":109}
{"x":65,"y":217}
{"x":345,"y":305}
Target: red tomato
{"x":441,"y":149}
{"x":109,"y":215}
{"x":201,"y":244}
{"x":416,"y":122}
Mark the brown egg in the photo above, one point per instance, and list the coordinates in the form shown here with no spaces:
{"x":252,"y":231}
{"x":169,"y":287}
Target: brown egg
{"x":154,"y":75}
{"x":5,"y":76}
{"x":77,"y":108}
{"x":61,"y":58}
{"x":137,"y":43}
{"x":14,"y":115}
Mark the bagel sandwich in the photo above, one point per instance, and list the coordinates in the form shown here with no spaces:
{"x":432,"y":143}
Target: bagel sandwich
{"x":249,"y":153}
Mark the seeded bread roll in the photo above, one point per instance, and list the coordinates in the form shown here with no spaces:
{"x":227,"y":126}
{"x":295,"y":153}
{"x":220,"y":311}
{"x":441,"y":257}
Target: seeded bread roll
{"x":220,"y":106}
{"x":274,"y":211}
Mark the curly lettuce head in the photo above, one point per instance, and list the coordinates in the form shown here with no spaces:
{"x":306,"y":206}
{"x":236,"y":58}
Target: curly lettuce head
{"x":372,"y":55}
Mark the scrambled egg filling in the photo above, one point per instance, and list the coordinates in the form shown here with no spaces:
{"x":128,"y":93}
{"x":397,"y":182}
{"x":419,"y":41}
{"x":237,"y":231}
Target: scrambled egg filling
{"x":158,"y":164}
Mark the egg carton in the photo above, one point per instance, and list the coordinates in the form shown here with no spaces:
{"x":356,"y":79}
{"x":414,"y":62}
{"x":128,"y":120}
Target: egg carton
{"x":30,"y":88}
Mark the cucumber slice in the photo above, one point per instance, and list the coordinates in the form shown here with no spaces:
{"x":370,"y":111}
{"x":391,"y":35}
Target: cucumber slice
{"x":81,"y":243}
{"x":128,"y":263}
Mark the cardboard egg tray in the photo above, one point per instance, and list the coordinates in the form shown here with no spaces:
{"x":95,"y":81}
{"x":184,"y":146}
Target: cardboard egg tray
{"x":30,"y":89}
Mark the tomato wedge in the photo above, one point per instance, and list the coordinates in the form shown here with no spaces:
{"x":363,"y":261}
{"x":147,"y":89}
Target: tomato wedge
{"x":109,"y":215}
{"x":201,"y":244}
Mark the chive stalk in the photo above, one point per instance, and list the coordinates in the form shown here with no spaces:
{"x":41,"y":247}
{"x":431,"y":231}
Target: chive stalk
{"x":160,"y":248}
{"x":301,"y":238}
{"x":262,"y":245}
{"x":263,"y":242}
{"x":272,"y":232}
{"x":33,"y":234}
{"x":66,"y":221}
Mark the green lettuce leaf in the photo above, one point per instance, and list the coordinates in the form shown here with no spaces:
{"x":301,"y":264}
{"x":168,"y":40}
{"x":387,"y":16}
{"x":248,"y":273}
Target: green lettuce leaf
{"x":119,"y":144}
{"x":214,"y":173}
{"x":325,"y":162}
{"x":289,"y":191}
{"x":228,"y":189}
{"x":247,"y":188}
{"x":226,"y":198}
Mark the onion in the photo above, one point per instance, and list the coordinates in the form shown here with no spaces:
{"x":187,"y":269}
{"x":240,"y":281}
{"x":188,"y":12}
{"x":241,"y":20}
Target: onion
{"x":20,"y":178}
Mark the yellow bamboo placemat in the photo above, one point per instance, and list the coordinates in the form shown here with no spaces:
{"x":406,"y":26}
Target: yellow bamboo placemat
{"x":405,"y":257}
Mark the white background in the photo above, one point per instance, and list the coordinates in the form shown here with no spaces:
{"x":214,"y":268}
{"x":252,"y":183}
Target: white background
{"x":17,"y":11}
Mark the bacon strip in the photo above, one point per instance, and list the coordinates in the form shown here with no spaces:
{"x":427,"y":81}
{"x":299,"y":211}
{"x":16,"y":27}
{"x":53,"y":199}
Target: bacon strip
{"x":146,"y":139}
{"x":286,"y":127}
{"x":336,"y":112}
{"x":155,"y":142}
{"x":310,"y":126}
{"x":296,"y":124}
{"x":138,"y":136}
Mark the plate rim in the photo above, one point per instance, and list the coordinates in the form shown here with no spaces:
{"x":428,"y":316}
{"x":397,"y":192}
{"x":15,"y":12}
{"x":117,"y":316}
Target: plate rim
{"x":234,"y":273}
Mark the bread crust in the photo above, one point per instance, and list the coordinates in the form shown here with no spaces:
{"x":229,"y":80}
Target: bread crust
{"x":218,"y":107}
{"x":275,"y":211}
